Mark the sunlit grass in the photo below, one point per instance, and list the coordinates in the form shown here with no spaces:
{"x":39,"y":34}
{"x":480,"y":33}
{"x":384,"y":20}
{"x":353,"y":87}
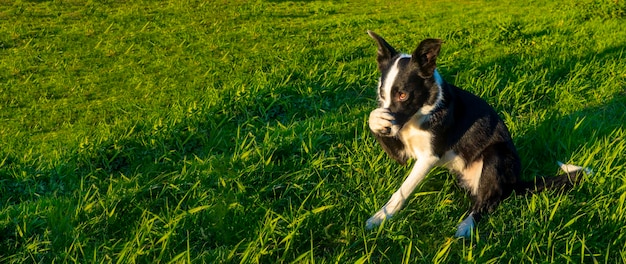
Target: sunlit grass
{"x":237,"y":131}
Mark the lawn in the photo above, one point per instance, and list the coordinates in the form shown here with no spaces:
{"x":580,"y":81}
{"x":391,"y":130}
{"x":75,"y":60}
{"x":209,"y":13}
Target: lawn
{"x":236,"y":131}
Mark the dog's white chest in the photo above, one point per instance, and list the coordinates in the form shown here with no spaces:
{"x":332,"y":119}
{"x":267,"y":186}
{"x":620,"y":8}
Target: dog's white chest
{"x":418,"y":142}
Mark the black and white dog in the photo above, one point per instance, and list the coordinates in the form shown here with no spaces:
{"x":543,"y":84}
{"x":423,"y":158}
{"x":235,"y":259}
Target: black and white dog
{"x":421,"y":116}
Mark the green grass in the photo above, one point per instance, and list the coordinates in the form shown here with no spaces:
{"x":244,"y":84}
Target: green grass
{"x":232,"y":131}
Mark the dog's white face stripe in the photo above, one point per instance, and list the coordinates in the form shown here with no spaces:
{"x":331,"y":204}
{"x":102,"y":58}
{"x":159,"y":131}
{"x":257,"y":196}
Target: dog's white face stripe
{"x":390,"y":78}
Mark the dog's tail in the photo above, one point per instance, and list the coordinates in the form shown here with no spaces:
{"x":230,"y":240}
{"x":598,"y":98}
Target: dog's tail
{"x":571,"y":176}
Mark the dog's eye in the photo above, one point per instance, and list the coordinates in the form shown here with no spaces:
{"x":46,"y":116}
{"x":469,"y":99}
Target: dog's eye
{"x":402,"y":96}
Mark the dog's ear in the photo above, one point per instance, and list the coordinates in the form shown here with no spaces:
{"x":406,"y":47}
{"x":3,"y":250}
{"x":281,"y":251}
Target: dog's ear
{"x":385,"y":51}
{"x":425,"y":57}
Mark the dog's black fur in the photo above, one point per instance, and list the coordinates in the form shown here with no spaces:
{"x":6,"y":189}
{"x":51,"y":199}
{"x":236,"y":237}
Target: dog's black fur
{"x":459,"y":124}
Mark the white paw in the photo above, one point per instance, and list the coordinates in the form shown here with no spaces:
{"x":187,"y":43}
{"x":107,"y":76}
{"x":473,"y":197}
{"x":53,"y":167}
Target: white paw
{"x":391,"y":208}
{"x":377,"y":219}
{"x":381,"y":121}
{"x":464,"y":230}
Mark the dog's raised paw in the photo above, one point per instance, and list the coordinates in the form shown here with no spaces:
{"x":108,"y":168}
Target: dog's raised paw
{"x":381,"y":121}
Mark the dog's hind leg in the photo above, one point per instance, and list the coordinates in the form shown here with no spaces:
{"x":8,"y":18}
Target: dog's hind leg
{"x":422,"y":166}
{"x":483,"y":203}
{"x":497,"y":171}
{"x":466,"y":227}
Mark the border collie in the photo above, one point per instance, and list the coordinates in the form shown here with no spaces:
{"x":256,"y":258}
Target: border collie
{"x":421,"y":116}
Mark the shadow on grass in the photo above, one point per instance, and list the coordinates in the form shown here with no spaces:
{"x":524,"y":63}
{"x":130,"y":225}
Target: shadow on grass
{"x":240,"y":152}
{"x":573,"y":136}
{"x":560,"y":134}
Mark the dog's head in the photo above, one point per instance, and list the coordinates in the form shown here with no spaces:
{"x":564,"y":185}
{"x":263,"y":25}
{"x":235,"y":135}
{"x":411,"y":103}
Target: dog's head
{"x":409,"y":84}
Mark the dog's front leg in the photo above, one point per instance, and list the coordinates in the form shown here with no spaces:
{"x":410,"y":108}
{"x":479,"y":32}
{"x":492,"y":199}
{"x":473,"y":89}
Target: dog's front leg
{"x":422,"y":166}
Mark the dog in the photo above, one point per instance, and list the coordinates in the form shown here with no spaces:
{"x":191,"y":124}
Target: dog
{"x":421,"y":116}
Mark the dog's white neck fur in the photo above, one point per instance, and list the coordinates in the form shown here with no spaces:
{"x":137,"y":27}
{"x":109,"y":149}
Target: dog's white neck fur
{"x":438,"y":78}
{"x":427,"y":109}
